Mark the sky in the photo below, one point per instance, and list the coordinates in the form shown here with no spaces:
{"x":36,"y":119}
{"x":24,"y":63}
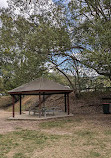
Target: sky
{"x":3,"y":3}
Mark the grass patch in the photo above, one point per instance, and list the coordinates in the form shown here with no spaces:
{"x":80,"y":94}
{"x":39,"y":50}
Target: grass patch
{"x":107,"y":132}
{"x":54,"y":124}
{"x":94,"y":154}
{"x":24,"y":141}
{"x":28,"y":135}
{"x":19,"y":155}
{"x":85,"y":133}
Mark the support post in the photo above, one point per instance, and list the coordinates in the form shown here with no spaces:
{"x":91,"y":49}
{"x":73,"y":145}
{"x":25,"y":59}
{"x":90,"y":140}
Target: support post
{"x":43,"y":99}
{"x":65,"y":102}
{"x":20,"y":105}
{"x":13,"y":108}
{"x":68,"y":109}
{"x":39,"y":104}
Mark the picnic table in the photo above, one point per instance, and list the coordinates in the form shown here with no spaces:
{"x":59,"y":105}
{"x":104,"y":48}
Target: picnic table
{"x":52,"y":110}
{"x":45,"y":110}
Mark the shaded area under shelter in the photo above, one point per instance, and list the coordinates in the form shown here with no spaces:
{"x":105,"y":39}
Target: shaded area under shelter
{"x":42,"y":87}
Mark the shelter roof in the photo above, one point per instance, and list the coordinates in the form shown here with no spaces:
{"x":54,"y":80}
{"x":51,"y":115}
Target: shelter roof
{"x":41,"y":85}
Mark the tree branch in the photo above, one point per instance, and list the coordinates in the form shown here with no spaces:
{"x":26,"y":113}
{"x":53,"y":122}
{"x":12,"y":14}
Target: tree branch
{"x":56,"y":66}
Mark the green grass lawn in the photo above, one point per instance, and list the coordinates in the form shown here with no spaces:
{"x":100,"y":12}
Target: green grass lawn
{"x":67,"y":138}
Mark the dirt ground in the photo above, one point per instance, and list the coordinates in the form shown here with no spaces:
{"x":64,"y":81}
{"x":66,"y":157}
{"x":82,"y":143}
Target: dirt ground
{"x":8,"y":126}
{"x":100,"y":120}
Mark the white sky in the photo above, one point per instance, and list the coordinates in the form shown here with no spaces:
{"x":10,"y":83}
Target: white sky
{"x":3,"y":3}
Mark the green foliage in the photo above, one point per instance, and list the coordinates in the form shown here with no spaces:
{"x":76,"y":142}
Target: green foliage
{"x":18,"y":62}
{"x":94,"y":33}
{"x":97,"y":83}
{"x":89,"y":24}
{"x":1,"y":85}
{"x":56,"y":33}
{"x":99,"y":56}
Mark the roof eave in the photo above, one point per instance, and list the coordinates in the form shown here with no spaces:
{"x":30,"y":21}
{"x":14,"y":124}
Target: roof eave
{"x":39,"y":91}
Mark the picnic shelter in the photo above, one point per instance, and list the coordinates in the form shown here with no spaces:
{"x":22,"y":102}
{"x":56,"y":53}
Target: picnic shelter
{"x":41,"y":87}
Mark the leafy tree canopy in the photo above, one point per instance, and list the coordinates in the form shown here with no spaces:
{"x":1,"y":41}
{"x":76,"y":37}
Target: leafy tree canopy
{"x":76,"y":31}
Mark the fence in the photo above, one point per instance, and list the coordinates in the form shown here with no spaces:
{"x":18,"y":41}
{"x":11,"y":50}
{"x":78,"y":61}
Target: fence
{"x":102,"y":89}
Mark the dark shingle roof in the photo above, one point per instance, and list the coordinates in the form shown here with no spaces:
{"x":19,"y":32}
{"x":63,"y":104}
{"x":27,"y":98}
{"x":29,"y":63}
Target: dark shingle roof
{"x":41,"y":84}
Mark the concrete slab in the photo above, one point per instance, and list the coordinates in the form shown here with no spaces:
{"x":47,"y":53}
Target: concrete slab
{"x":26,"y":116}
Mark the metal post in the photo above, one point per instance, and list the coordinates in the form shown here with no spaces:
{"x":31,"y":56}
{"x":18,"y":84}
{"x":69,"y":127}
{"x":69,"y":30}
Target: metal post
{"x":20,"y":105}
{"x":13,"y":108}
{"x":68,"y":104}
{"x":65,"y":102}
{"x":39,"y":105}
